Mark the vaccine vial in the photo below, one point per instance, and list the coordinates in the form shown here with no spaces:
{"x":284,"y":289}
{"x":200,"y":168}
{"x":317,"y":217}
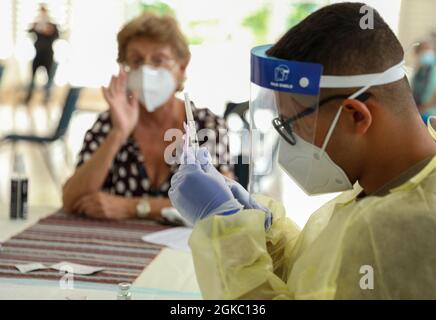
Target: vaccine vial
{"x":124,"y":291}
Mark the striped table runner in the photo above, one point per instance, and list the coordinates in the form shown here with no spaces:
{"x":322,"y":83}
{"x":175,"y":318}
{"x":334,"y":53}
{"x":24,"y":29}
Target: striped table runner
{"x":114,"y":245}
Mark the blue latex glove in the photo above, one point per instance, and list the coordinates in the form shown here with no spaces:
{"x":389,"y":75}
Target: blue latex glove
{"x":197,"y":192}
{"x":247,"y":201}
{"x":238,"y":191}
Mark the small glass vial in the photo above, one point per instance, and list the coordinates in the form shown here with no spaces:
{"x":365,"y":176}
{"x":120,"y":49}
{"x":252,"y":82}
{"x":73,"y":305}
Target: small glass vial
{"x":123,"y":291}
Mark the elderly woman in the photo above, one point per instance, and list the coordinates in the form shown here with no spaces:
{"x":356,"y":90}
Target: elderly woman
{"x":122,"y":170}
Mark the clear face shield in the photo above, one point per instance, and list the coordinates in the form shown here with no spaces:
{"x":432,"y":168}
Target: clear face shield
{"x":300,"y":129}
{"x":283,"y":111}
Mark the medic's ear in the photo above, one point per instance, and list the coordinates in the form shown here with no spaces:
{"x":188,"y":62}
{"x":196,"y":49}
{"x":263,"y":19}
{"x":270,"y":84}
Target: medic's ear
{"x":359,"y":114}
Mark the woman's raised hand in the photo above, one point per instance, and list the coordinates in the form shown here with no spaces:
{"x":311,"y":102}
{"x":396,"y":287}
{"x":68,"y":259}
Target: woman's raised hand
{"x":123,"y":105}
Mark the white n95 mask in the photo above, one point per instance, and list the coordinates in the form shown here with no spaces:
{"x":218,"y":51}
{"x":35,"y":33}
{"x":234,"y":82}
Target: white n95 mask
{"x":154,"y":86}
{"x":311,"y":167}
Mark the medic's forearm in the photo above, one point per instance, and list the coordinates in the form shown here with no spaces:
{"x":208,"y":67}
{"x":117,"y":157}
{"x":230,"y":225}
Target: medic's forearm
{"x":235,"y":258}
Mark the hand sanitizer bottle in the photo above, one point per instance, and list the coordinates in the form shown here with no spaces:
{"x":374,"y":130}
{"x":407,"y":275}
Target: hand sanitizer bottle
{"x":19,"y":189}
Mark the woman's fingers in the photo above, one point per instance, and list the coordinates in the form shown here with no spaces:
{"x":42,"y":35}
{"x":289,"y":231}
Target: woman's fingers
{"x":133,"y":99}
{"x":117,"y":88}
{"x":91,"y":208}
{"x":106,"y":94}
{"x":79,"y":206}
{"x":118,"y":83}
{"x":94,"y":211}
{"x":112,"y":86}
{"x":123,"y":80}
{"x":83,"y":203}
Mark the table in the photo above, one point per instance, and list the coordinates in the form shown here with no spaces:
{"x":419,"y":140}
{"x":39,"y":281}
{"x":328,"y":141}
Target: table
{"x":170,"y":275}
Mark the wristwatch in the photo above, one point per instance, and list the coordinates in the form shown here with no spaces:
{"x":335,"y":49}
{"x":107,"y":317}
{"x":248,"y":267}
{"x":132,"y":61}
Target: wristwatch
{"x":143,"y":209}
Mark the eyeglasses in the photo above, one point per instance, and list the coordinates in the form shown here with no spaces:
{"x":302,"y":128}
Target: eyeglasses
{"x":284,"y":127}
{"x":156,"y":61}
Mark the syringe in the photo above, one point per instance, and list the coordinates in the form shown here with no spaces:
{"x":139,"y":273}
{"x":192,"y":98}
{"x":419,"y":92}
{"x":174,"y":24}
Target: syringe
{"x":191,"y":132}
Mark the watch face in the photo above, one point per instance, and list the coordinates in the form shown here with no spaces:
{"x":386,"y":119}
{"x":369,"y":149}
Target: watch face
{"x":143,"y":209}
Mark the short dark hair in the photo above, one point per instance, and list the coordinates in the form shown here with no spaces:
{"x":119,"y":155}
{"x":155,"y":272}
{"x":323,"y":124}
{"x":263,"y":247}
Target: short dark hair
{"x":333,"y":37}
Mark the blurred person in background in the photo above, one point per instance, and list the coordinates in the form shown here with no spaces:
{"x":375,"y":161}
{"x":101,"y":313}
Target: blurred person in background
{"x":122,"y":172}
{"x":46,"y":33}
{"x":424,"y":80}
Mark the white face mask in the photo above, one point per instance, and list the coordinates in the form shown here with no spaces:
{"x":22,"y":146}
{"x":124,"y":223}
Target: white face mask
{"x":154,"y":86}
{"x":310,"y":166}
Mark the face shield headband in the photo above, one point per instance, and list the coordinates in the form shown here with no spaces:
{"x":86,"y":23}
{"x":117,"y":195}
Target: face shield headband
{"x":307,"y":79}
